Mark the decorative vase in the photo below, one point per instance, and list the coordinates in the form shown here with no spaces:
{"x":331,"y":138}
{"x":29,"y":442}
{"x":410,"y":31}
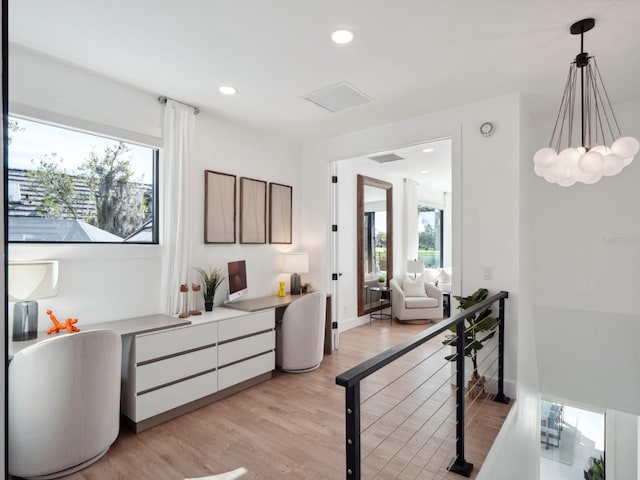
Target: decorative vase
{"x":184,"y":310}
{"x":208,"y":306}
{"x":475,"y":387}
{"x":281,"y":292}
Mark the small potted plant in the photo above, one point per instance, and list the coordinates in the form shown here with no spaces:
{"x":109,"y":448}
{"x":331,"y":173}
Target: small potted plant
{"x":595,"y":470}
{"x":211,"y":280}
{"x":381,"y":281}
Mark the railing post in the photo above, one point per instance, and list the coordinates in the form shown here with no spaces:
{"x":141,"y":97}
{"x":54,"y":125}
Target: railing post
{"x":458,"y":464}
{"x":501,"y":397}
{"x":352,"y":418}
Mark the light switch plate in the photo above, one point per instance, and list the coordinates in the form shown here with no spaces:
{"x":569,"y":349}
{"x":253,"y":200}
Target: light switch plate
{"x":488,"y":273}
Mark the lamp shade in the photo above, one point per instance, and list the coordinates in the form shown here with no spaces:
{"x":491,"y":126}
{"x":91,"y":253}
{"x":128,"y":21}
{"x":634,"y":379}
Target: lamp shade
{"x":32,"y":280}
{"x":415,"y":266}
{"x":295,"y":262}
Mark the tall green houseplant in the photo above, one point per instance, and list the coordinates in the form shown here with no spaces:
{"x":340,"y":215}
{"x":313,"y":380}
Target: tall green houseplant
{"x":211,"y":280}
{"x":478,"y":330}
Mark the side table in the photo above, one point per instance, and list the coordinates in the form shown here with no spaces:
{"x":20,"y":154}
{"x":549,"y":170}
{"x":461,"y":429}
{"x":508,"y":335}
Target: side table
{"x":382,"y":304}
{"x":446,"y":304}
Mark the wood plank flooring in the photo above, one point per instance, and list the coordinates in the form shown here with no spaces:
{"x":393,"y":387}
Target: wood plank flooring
{"x":292,"y":426}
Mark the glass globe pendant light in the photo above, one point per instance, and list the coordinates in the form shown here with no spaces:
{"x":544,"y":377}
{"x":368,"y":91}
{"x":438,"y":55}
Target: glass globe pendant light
{"x":602,"y":150}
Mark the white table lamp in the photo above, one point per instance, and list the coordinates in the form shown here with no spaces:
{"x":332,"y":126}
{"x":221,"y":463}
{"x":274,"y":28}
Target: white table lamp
{"x":29,"y":281}
{"x":295,"y":263}
{"x":415,"y":267}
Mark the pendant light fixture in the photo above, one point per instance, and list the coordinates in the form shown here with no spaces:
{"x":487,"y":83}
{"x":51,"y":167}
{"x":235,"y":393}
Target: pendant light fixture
{"x":601,"y":149}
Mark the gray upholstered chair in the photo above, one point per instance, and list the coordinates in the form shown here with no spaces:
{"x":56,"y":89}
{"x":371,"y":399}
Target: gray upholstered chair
{"x":64,"y":403}
{"x":300,"y":335}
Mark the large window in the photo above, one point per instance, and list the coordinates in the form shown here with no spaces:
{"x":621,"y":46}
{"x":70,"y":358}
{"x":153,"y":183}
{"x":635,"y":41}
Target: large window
{"x":430,"y":236}
{"x":73,"y":187}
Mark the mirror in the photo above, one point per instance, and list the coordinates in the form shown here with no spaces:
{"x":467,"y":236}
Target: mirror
{"x":375,"y":238}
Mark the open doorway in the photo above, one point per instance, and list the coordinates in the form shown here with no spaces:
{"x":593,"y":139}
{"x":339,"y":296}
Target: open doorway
{"x":572,"y":442}
{"x":429,"y":166}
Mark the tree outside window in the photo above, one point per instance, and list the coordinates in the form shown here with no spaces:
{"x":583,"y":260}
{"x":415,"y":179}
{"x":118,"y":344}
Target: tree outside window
{"x":76,"y":187}
{"x":430,"y":236}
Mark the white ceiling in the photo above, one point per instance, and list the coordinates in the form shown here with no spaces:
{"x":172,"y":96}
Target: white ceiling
{"x":431,"y":170}
{"x":410,"y":56}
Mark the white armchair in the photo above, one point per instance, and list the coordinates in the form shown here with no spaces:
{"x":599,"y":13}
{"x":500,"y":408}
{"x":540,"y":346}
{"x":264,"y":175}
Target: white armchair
{"x":405,"y":306}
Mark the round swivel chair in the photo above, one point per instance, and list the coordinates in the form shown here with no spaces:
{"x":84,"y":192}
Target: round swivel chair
{"x":64,"y":403}
{"x":300,"y":335}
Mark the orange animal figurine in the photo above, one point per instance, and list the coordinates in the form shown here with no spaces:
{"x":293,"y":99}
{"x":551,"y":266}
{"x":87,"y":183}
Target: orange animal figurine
{"x":68,"y":325}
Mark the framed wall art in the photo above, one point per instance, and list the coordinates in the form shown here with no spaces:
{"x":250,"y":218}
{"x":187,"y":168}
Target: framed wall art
{"x":280,"y":213}
{"x":253,"y":211}
{"x":219,"y":207}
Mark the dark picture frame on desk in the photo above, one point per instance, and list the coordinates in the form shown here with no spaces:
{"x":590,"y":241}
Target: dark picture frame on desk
{"x":219,"y":207}
{"x":280,"y":213}
{"x":253,"y":211}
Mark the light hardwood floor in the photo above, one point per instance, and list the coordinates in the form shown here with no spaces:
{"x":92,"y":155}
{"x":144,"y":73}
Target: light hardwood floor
{"x":290,"y":427}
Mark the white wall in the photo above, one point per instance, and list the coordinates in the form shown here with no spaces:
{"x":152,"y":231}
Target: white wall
{"x":101,"y":283}
{"x":245,"y":153}
{"x":621,"y":449}
{"x":516,"y":449}
{"x":586,"y":244}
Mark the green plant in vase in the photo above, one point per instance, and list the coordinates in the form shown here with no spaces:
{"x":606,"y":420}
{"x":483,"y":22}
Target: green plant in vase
{"x":211,"y":280}
{"x":478,"y":329}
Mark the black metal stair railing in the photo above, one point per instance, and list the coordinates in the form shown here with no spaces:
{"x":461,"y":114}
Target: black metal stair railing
{"x":352,"y":378}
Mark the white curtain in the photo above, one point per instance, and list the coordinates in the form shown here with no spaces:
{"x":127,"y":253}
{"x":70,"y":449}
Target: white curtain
{"x":410,"y":222}
{"x":176,"y":208}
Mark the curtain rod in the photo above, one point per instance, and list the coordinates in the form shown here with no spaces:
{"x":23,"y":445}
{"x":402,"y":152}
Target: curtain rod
{"x":164,"y":98}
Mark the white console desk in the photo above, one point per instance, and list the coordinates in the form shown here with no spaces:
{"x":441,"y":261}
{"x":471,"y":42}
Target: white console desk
{"x":129,"y":326}
{"x":171,"y":366}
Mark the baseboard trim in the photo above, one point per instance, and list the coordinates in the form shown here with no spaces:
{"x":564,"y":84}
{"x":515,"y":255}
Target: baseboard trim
{"x":353,"y":323}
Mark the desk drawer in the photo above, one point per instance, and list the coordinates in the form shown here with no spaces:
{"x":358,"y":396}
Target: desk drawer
{"x":246,"y":347}
{"x":175,"y":368}
{"x":246,"y":325}
{"x":155,"y":345}
{"x":239,"y":372}
{"x":163,"y":399}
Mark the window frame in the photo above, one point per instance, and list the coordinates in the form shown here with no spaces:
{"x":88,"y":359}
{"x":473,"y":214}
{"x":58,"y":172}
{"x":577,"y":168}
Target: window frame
{"x":96,"y":130}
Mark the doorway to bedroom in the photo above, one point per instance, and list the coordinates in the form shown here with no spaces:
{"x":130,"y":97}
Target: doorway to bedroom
{"x":425,"y":170}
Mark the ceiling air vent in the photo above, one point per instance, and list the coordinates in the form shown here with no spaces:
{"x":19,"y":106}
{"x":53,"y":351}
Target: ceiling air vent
{"x":386,"y":157}
{"x":337,"y":97}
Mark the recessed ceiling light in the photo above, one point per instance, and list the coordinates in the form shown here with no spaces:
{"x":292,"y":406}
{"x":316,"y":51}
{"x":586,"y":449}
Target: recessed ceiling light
{"x":428,"y":150}
{"x":227,"y":90}
{"x":342,"y":36}
{"x":424,"y":171}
